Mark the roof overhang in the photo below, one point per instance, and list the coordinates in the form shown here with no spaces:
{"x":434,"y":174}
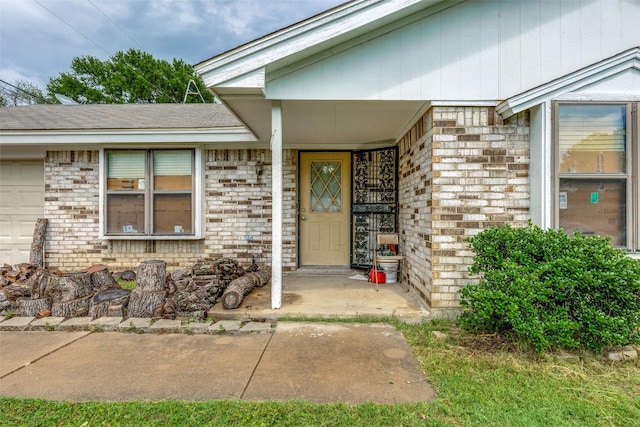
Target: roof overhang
{"x":238,"y":137}
{"x":629,"y":59}
{"x":240,"y":78}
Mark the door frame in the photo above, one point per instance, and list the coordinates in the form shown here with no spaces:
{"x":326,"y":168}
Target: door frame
{"x":376,"y":207}
{"x":298,"y":207}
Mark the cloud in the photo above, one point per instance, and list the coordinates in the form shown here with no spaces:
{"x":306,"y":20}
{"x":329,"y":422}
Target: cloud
{"x":37,"y":44}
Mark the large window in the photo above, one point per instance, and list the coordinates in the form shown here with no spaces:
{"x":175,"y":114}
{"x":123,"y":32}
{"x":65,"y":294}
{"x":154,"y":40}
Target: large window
{"x":149,"y":192}
{"x":596,"y":164}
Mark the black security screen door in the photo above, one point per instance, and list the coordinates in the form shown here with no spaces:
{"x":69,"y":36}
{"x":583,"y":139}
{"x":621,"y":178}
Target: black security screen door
{"x":374,"y":206}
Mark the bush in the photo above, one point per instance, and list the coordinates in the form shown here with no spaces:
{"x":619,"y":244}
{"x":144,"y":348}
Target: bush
{"x":551,"y":289}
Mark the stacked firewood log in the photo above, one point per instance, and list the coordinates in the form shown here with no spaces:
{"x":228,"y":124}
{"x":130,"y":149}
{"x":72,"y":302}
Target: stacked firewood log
{"x":193,"y":291}
{"x":20,"y":281}
{"x":240,"y":287}
{"x":28,"y":290}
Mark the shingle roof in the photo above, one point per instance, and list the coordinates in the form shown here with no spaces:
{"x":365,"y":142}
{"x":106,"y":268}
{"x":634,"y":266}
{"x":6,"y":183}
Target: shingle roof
{"x":117,"y":116}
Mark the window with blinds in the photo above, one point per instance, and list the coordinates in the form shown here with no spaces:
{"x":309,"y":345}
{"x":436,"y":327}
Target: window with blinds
{"x":592,"y":138}
{"x":594,"y":186}
{"x":149,"y":192}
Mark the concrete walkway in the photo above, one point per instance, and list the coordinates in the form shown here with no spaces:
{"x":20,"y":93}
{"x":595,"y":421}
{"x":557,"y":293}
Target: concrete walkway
{"x":319,"y":362}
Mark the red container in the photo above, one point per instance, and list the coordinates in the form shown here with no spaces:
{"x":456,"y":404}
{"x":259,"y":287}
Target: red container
{"x":376,"y":276}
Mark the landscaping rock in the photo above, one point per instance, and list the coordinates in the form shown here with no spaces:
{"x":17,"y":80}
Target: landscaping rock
{"x":627,"y":353}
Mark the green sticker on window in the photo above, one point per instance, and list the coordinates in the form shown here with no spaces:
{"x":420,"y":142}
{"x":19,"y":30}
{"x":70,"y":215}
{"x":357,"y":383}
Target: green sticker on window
{"x":594,"y":197}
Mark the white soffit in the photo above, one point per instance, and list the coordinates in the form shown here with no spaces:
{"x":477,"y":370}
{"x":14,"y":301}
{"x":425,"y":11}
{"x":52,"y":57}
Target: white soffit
{"x":629,"y":59}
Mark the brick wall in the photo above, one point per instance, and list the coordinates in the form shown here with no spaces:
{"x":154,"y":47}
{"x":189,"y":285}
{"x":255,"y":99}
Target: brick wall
{"x":462,"y":169}
{"x":237,"y":214}
{"x":72,"y":208}
{"x":238,"y":206}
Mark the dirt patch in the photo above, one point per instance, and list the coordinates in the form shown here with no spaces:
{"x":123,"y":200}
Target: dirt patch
{"x":289,"y":297}
{"x":485,"y":343}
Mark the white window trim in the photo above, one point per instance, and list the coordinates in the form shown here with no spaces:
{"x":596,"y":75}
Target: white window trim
{"x":198,"y":194}
{"x":543,"y":189}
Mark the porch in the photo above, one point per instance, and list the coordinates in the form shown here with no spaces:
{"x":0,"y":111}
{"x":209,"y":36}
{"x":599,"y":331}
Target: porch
{"x":329,"y":293}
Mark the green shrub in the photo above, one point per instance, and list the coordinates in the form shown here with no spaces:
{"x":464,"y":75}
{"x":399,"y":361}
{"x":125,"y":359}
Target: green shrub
{"x":551,"y":289}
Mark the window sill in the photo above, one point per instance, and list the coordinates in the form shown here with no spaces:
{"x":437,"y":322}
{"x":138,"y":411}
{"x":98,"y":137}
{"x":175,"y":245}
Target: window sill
{"x":139,"y":237}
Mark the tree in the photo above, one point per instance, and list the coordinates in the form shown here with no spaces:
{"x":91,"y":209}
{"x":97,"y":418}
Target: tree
{"x":128,"y":77}
{"x":20,"y":92}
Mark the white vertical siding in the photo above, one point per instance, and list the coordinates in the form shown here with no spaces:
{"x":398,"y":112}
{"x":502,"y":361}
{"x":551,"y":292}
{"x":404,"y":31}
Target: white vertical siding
{"x":476,"y":50}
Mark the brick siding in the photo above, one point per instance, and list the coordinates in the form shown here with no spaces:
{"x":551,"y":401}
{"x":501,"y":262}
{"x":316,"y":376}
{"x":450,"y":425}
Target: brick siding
{"x":462,"y":169}
{"x":237,"y":214}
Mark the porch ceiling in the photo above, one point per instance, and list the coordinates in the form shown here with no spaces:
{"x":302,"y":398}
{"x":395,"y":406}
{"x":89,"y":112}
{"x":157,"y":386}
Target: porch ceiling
{"x":326,"y":124}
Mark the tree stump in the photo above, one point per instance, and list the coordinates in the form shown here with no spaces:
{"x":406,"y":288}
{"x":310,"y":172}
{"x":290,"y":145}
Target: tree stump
{"x":103,"y":301}
{"x":75,"y":308}
{"x":101,"y":278}
{"x":37,"y":244}
{"x":68,"y":287}
{"x":116,"y":311}
{"x":142,"y":304}
{"x":31,"y":307}
{"x":152,"y":276}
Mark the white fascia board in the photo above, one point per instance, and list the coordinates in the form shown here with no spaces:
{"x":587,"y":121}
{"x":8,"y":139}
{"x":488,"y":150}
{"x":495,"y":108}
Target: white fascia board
{"x":571,"y":82}
{"x":220,"y":135}
{"x":252,"y":79}
{"x":259,"y":53}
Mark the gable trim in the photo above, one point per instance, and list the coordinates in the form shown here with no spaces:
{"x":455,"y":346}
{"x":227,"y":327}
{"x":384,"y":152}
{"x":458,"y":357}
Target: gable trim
{"x":626,"y":60}
{"x":331,"y":28}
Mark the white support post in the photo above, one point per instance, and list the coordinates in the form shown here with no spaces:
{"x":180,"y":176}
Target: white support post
{"x":276,"y":205}
{"x":541,"y":166}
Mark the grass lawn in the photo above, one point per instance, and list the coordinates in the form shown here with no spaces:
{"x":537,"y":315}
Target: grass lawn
{"x":478,"y":380}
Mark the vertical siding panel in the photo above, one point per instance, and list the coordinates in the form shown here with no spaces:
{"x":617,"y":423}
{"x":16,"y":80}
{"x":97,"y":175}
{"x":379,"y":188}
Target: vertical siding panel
{"x":430,"y":41}
{"x":391,"y":59}
{"x":410,"y":68}
{"x":629,"y":18}
{"x":450,"y":53}
{"x":531,"y":64}
{"x":611,"y":30}
{"x":490,"y":49}
{"x":370,"y":75}
{"x":307,"y":79}
{"x":471,"y":50}
{"x":510,"y":50}
{"x":550,"y":34}
{"x":570,"y":36}
{"x":590,"y":31}
{"x":297,"y":80}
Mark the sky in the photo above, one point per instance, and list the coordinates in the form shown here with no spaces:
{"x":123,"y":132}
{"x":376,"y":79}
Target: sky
{"x":39,"y":38}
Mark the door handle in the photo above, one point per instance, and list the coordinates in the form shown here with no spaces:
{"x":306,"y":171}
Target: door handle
{"x":303,"y":217}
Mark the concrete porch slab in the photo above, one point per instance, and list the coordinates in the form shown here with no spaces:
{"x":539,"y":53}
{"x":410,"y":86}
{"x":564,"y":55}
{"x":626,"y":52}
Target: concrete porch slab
{"x":328,"y":293}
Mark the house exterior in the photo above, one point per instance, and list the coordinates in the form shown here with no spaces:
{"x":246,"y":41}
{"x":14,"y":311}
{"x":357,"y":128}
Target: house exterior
{"x":432,"y":119}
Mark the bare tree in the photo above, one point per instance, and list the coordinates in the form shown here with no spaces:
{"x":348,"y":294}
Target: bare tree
{"x":20,"y":92}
